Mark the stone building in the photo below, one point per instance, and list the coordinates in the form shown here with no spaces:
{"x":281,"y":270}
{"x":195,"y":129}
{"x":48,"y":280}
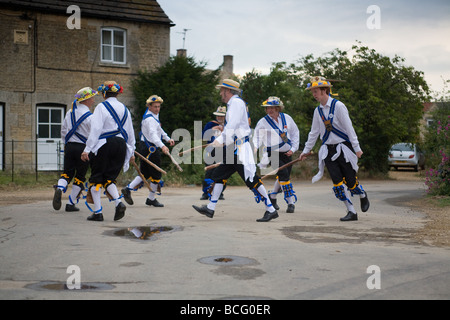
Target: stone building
{"x":226,"y":68}
{"x":51,"y":49}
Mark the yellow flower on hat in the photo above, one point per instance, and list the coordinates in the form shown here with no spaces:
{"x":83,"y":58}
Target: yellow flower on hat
{"x":318,"y":82}
{"x":154,"y":98}
{"x":273,"y":102}
{"x":85,"y":93}
{"x":110,"y":86}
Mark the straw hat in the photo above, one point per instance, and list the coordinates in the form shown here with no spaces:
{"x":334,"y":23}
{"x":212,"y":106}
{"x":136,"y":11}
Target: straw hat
{"x":85,"y":93}
{"x":221,"y":111}
{"x":229,"y":84}
{"x":273,"y":102}
{"x":318,"y":82}
{"x":154,"y":98}
{"x":110,"y":86}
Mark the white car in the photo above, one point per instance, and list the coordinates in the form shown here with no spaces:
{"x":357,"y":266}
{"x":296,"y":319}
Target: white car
{"x":406,"y":155}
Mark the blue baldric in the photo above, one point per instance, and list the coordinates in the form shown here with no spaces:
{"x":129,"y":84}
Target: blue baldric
{"x":76,"y":123}
{"x":151,"y":146}
{"x":120,"y":123}
{"x":281,"y":133}
{"x":328,"y":122}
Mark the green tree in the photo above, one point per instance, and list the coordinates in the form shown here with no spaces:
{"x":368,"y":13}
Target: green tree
{"x":187,"y":88}
{"x":281,"y":82}
{"x":437,"y":148}
{"x":189,"y":94}
{"x":384,"y":98}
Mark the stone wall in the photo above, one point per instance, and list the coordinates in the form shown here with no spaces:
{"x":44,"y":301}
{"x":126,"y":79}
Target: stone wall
{"x":43,"y":61}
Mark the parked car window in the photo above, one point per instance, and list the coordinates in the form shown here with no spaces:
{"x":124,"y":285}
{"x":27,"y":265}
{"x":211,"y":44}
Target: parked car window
{"x":403,"y":147}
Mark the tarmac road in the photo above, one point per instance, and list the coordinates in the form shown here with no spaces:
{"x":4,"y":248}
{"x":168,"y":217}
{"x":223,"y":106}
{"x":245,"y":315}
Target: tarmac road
{"x":309,"y":254}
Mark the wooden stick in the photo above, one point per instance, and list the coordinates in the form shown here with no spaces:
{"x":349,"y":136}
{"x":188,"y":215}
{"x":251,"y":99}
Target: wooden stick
{"x":141,"y":175}
{"x":281,"y":168}
{"x":149,"y":162}
{"x":174,"y":162}
{"x":192,"y":149}
{"x":215,"y":165}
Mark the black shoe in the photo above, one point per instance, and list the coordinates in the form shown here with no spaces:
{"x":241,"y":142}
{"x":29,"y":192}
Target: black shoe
{"x":365,"y":204}
{"x":57,"y":199}
{"x":351,"y":216}
{"x":127,"y":196}
{"x":204,"y":196}
{"x":274,"y":203}
{"x":268,"y":216}
{"x":204,"y":210}
{"x":95,"y":217}
{"x":154,"y":203}
{"x":290,"y":208}
{"x":71,"y":208}
{"x":120,"y":211}
{"x":221,"y":197}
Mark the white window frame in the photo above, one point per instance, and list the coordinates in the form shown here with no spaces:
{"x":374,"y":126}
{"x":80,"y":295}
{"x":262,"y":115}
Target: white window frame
{"x":113,"y":45}
{"x":50,"y":151}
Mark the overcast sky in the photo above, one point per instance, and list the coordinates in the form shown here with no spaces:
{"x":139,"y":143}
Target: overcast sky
{"x":260,"y":32}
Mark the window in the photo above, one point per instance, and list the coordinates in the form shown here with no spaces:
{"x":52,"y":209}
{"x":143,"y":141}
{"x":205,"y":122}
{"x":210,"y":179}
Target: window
{"x":113,"y":47}
{"x":49,"y":148}
{"x":49,"y":122}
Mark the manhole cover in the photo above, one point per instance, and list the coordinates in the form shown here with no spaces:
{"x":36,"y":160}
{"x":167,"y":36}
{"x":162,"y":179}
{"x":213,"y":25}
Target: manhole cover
{"x":61,"y":286}
{"x":142,"y":233}
{"x":227,"y":261}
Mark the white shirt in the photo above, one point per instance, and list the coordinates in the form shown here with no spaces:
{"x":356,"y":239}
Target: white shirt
{"x":152,"y":130}
{"x":103,"y":122}
{"x":265,"y":134}
{"x":84,"y":128}
{"x":236,"y":121}
{"x":341,"y":121}
{"x":237,"y":126}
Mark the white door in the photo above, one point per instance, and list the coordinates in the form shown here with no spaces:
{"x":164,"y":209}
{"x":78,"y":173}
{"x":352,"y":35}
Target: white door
{"x":50,"y":151}
{"x":1,"y":137}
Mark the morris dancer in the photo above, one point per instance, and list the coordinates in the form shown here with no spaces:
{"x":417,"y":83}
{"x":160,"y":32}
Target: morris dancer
{"x":110,"y":147}
{"x":210,"y":132}
{"x":280,"y":135}
{"x":340,"y":148}
{"x":74,"y":133}
{"x":238,"y":155}
{"x":149,"y":146}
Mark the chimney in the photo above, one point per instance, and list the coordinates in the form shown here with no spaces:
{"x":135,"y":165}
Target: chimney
{"x":181,"y":53}
{"x":227,"y":70}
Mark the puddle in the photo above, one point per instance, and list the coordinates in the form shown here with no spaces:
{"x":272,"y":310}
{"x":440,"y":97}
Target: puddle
{"x":239,"y":268}
{"x":142,"y":233}
{"x":227,"y":261}
{"x":335,"y":234}
{"x":62,"y":286}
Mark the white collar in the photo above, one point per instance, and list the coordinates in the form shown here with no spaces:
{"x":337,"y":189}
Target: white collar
{"x":233,"y":97}
{"x":156,"y":116}
{"x":81,"y":105}
{"x":328,"y":104}
{"x":111,"y":99}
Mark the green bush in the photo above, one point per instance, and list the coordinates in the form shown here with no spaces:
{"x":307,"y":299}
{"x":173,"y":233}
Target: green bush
{"x":437,"y":146}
